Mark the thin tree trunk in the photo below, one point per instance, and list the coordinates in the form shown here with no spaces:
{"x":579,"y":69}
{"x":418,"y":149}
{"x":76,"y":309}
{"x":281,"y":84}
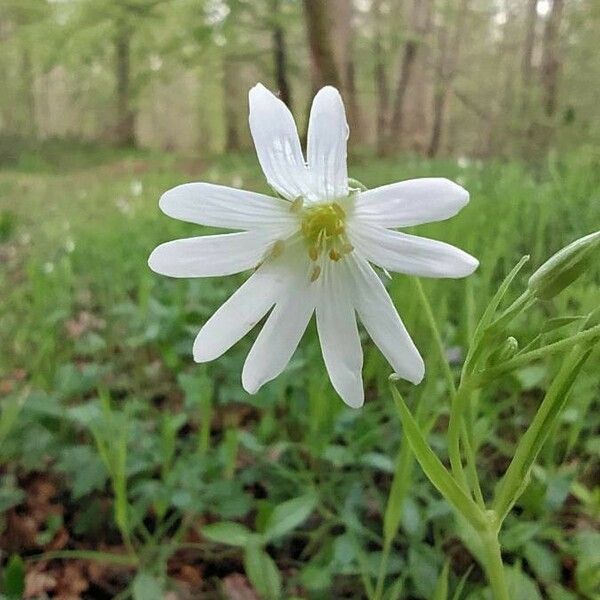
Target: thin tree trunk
{"x":409,"y":54}
{"x":445,"y":71}
{"x":29,"y":92}
{"x":408,"y":58}
{"x":230,"y":95}
{"x":125,"y":127}
{"x":416,"y":127}
{"x":528,"y":46}
{"x":280,"y":56}
{"x":381,"y":81}
{"x":551,"y":61}
{"x":324,"y":68}
{"x":340,"y":14}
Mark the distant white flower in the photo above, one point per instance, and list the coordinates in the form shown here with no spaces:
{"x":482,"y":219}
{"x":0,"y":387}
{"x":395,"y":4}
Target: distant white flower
{"x":310,"y":249}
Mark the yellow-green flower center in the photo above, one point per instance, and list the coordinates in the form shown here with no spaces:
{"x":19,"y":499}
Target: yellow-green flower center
{"x":324,"y":229}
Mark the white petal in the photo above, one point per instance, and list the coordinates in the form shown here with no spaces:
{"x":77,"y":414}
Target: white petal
{"x":411,"y":202}
{"x":410,"y":254}
{"x":212,"y":255}
{"x":327,"y":140}
{"x":277,"y":144}
{"x":379,"y":317}
{"x":241,"y":312}
{"x":280,"y":335}
{"x":338,"y":334}
{"x":220,"y":206}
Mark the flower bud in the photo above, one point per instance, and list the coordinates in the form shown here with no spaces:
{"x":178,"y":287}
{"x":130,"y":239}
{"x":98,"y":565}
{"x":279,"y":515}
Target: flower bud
{"x":564,"y":267}
{"x":506,"y":351}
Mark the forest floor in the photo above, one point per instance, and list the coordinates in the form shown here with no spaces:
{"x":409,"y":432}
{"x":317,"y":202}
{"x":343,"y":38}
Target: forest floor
{"x":116,"y":450}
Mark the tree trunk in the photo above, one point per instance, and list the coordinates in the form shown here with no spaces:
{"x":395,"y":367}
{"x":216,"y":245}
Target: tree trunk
{"x":409,"y":54}
{"x":324,"y":68}
{"x":381,"y":80}
{"x":446,"y":66}
{"x":416,"y":122}
{"x":551,"y":58}
{"x":125,"y":126}
{"x":528,"y":45}
{"x":280,"y":56}
{"x":340,"y":14}
{"x":408,"y":58}
{"x":230,"y":96}
{"x":30,"y":124}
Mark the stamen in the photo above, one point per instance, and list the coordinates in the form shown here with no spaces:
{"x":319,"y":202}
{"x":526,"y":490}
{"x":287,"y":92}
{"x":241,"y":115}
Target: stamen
{"x":315,"y":274}
{"x":338,"y":210}
{"x":277,"y":249}
{"x":297,"y":204}
{"x":324,"y":229}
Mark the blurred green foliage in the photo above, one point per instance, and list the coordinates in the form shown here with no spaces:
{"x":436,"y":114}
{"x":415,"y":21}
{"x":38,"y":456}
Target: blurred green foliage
{"x":159,"y":456}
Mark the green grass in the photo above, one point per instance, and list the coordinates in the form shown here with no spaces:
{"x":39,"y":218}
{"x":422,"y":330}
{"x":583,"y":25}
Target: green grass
{"x":96,"y":349}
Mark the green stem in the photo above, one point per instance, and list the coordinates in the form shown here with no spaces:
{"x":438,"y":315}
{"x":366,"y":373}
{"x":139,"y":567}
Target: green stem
{"x":515,"y":479}
{"x":457,"y":406}
{"x":454,"y":428}
{"x":385,"y":555}
{"x":472,"y":468}
{"x":493,"y":564}
{"x":436,"y":336}
{"x":521,"y":360}
{"x":435,"y":471}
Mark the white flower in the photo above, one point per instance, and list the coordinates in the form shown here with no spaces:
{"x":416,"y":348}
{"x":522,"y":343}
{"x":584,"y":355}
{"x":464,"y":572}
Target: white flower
{"x":310,"y":249}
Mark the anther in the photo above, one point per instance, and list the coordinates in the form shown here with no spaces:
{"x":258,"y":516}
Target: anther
{"x":315,"y":274}
{"x":297,"y":204}
{"x":277,"y":249}
{"x":339,"y":211}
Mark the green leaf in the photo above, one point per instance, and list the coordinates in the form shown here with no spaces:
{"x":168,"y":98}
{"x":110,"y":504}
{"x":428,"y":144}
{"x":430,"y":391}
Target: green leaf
{"x":394,"y":508}
{"x":461,"y":584}
{"x":227,"y":532}
{"x":543,"y":562}
{"x":558,"y":322}
{"x":288,"y":515}
{"x":14,"y":578}
{"x":491,"y":308}
{"x":435,"y":470}
{"x":423,"y":566}
{"x":10,"y":409}
{"x":520,"y":585}
{"x":441,"y":587}
{"x":262,"y":571}
{"x":515,"y":479}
